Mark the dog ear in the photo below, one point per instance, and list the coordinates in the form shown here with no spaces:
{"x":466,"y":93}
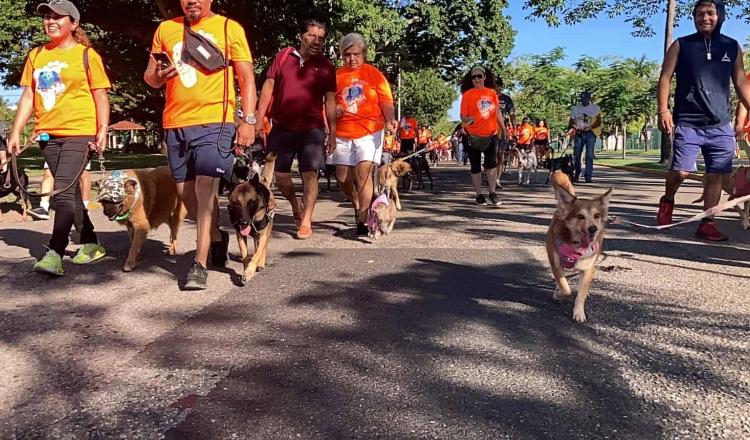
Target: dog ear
{"x":130,"y":185}
{"x":564,"y":198}
{"x":605,"y":198}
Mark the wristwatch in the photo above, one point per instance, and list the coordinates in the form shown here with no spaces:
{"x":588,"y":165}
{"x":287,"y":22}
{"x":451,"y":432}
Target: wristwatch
{"x":249,"y":118}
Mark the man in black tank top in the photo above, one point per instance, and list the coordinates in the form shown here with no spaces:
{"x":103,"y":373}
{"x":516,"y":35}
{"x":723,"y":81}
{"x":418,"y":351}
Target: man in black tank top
{"x":703,"y":64}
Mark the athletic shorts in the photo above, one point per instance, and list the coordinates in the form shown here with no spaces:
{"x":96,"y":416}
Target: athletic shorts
{"x":88,"y":166}
{"x":193,"y":151}
{"x":307,"y":146}
{"x":350,"y":152}
{"x":717,"y":145}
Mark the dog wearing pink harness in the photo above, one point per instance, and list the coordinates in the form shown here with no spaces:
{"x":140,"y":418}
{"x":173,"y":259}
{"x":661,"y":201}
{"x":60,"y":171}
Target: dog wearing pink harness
{"x":382,"y":216}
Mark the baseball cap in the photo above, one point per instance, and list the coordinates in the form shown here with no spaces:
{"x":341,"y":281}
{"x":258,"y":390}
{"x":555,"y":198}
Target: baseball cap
{"x":62,"y":7}
{"x":586,"y":94}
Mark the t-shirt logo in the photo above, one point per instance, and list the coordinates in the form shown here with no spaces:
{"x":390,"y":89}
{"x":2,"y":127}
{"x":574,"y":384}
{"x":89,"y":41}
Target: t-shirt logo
{"x":187,"y":73}
{"x":725,"y":58}
{"x":485,"y":106}
{"x":354,"y":96}
{"x":49,"y":83}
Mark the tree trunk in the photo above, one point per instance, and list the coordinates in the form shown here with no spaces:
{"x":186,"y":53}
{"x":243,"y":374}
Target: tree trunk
{"x":666,"y":141}
{"x":617,"y":136}
{"x":624,"y":139}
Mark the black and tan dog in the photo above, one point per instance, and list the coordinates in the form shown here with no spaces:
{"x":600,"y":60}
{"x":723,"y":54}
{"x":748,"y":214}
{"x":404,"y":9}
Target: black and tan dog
{"x":574,"y":240}
{"x":251,"y":207}
{"x":141,"y":201}
{"x":9,"y":185}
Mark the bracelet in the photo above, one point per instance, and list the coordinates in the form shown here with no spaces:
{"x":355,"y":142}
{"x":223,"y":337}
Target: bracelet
{"x":663,"y":111}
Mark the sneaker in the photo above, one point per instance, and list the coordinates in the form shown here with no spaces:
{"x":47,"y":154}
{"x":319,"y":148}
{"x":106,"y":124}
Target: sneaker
{"x":480,"y":200}
{"x":219,"y":250}
{"x":196,"y":277}
{"x":50,"y":264}
{"x":494,"y":200}
{"x":39,"y":213}
{"x":664,"y":216}
{"x":88,"y":253}
{"x":362,"y":229}
{"x":709,"y":231}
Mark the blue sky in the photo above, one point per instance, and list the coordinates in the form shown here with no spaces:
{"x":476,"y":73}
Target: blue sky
{"x":597,"y":38}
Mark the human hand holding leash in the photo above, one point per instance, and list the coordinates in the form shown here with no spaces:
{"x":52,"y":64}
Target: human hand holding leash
{"x":100,"y":142}
{"x":14,"y":144}
{"x":245,"y":134}
{"x":330,"y":144}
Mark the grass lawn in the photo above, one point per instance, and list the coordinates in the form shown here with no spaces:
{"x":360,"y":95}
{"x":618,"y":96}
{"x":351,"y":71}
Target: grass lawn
{"x":32,"y":160}
{"x":639,"y":163}
{"x":629,"y":153}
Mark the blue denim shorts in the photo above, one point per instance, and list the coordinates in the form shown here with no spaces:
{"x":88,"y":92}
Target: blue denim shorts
{"x":198,"y":151}
{"x":716,"y":144}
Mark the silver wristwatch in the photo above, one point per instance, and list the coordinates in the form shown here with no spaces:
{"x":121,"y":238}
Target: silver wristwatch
{"x":249,"y":118}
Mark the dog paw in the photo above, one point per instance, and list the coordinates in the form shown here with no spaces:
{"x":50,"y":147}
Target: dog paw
{"x":579,"y":315}
{"x":128,"y":267}
{"x":561,"y":296}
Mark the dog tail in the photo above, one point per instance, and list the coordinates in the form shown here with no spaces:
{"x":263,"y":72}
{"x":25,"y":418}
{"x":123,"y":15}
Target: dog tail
{"x":266,"y":176}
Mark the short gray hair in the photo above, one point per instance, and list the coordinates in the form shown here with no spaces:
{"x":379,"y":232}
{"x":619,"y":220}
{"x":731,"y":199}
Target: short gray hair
{"x":350,"y":40}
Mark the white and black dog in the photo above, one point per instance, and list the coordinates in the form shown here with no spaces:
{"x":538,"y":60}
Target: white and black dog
{"x":527,"y":162}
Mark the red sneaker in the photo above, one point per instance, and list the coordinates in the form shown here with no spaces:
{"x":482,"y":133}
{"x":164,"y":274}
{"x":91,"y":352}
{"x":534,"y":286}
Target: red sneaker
{"x":709,"y":231}
{"x":664,"y":216}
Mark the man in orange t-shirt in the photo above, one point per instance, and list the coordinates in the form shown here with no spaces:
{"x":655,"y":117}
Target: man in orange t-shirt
{"x":199,"y":115}
{"x":407,"y":133}
{"x":525,"y":134}
{"x":424,"y":136}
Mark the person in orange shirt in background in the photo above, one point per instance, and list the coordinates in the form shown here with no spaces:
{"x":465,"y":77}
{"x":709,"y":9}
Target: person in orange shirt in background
{"x":198,"y":116}
{"x":364,"y":109}
{"x":742,"y":127}
{"x":65,"y":86}
{"x":407,"y":133}
{"x":525,"y":133}
{"x":483,"y":122}
{"x":541,"y":140}
{"x":390,"y":147}
{"x":424,"y":136}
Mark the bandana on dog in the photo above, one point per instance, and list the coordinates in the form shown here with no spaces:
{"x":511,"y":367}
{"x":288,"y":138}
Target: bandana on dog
{"x":569,"y":255}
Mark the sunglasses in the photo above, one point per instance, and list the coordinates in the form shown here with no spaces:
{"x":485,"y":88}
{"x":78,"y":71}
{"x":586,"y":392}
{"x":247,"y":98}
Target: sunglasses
{"x":477,"y":76}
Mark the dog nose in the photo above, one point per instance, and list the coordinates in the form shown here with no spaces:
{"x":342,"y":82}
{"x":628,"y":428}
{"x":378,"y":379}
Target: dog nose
{"x":592,"y":230}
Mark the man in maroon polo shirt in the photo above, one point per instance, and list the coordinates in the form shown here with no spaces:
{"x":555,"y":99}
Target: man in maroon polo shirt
{"x":298,"y":84}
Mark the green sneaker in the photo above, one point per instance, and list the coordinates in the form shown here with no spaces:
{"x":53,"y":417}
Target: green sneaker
{"x":50,"y":264}
{"x":88,"y":253}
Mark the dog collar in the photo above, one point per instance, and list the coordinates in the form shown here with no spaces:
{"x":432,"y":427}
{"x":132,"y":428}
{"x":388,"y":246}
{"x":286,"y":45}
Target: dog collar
{"x":570,"y":255}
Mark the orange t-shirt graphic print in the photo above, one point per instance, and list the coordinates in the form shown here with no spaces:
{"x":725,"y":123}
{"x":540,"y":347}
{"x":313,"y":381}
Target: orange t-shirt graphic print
{"x":360,"y":92}
{"x":195,"y":97}
{"x":63,"y":101}
{"x":481,"y":105}
{"x":407,"y":128}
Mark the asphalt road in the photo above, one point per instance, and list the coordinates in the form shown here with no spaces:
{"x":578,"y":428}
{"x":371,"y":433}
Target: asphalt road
{"x":446,"y":329}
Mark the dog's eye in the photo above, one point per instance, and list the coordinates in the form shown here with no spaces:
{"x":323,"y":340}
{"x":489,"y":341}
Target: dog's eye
{"x":581,"y":217}
{"x":597,"y":216}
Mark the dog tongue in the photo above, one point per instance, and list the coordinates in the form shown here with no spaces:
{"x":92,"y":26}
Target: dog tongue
{"x":245,"y":231}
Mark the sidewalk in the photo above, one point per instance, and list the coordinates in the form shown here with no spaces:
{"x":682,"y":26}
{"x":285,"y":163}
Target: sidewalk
{"x":445,"y":329}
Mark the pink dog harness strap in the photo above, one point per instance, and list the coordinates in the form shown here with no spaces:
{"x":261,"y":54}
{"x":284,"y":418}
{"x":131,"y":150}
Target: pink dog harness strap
{"x":569,"y":255}
{"x":741,"y":183}
{"x":372,"y":223}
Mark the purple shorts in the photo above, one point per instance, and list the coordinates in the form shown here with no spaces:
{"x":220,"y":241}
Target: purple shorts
{"x":716,"y":144}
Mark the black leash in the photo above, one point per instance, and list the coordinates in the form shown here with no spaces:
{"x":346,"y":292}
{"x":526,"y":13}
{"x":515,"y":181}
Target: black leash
{"x":16,"y":174}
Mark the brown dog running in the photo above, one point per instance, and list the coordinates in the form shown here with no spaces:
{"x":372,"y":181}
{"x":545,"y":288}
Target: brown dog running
{"x":251,"y":206}
{"x":142,"y":203}
{"x":388,"y":178}
{"x":574,"y":240}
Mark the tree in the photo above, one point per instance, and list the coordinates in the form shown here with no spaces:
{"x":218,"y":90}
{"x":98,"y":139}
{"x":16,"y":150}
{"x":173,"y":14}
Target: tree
{"x":426,"y":96}
{"x":122,"y":29}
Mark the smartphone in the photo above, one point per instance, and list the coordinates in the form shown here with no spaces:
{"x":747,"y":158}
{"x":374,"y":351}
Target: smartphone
{"x":163,"y":60}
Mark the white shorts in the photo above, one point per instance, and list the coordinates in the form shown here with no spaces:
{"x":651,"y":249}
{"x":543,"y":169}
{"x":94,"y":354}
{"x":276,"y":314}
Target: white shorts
{"x":88,"y":166}
{"x":350,"y":152}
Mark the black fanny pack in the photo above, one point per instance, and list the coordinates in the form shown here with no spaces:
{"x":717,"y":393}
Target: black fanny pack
{"x":202,"y":53}
{"x":479,"y":143}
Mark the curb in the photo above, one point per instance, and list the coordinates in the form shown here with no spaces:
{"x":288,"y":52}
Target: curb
{"x":662,"y":173}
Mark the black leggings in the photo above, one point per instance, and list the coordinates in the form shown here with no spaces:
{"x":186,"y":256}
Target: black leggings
{"x":490,"y":157}
{"x":66,"y":156}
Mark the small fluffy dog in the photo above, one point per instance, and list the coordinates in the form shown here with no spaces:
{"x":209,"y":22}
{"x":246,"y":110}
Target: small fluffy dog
{"x":382,"y":215}
{"x":574,"y":240}
{"x":527,"y":162}
{"x":251,"y":207}
{"x":388,"y":178}
{"x":142,"y":201}
{"x":738,"y":185}
{"x":9,"y":185}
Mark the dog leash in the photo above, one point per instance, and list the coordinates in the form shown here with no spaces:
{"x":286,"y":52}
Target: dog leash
{"x":16,"y":174}
{"x":619,"y":220}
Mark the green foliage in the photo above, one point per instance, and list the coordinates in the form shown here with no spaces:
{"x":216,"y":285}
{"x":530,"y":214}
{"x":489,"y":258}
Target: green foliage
{"x":636,"y":12}
{"x":426,"y":96}
{"x":442,"y":34}
{"x":625,"y":89}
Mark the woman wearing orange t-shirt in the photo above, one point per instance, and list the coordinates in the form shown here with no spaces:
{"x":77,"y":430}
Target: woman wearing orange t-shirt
{"x":483,"y":122}
{"x":364,"y":106}
{"x":65,"y":87}
{"x":541,"y":140}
